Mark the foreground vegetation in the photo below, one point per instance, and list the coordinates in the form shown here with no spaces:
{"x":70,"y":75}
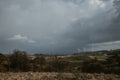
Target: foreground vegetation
{"x":100,"y":65}
{"x":57,"y":76}
{"x":90,"y":62}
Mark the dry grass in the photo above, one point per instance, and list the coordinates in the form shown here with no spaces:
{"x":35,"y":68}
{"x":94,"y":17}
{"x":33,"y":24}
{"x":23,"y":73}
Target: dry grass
{"x":56,"y":76}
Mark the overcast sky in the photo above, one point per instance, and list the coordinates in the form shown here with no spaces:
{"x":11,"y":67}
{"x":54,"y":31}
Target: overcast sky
{"x":58,"y":26}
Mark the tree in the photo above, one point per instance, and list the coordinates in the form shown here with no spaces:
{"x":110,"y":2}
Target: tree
{"x":19,"y":61}
{"x":38,"y":62}
{"x":3,"y":63}
{"x":2,"y":58}
{"x":58,"y":64}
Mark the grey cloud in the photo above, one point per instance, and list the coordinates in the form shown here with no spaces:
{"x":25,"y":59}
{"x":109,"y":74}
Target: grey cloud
{"x":57,"y":25}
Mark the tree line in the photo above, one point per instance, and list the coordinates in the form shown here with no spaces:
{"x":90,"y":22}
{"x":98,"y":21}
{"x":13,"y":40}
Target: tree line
{"x":19,"y":61}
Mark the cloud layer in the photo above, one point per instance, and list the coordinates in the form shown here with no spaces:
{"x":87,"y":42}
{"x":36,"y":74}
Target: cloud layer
{"x":21,"y":38}
{"x":57,"y":26}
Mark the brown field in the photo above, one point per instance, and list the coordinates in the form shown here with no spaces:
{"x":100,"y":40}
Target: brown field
{"x":56,"y":76}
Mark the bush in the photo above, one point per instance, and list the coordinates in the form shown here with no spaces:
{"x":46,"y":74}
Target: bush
{"x":19,"y":61}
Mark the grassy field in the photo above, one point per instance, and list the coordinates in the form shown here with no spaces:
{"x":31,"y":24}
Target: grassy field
{"x":56,"y":76}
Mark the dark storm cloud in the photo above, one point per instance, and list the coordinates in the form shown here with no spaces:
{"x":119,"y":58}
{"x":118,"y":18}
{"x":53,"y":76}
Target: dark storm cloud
{"x":56,"y":25}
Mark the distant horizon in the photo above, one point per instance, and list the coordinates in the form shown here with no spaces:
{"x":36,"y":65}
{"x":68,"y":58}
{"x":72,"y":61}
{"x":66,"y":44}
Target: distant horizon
{"x":59,"y":53}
